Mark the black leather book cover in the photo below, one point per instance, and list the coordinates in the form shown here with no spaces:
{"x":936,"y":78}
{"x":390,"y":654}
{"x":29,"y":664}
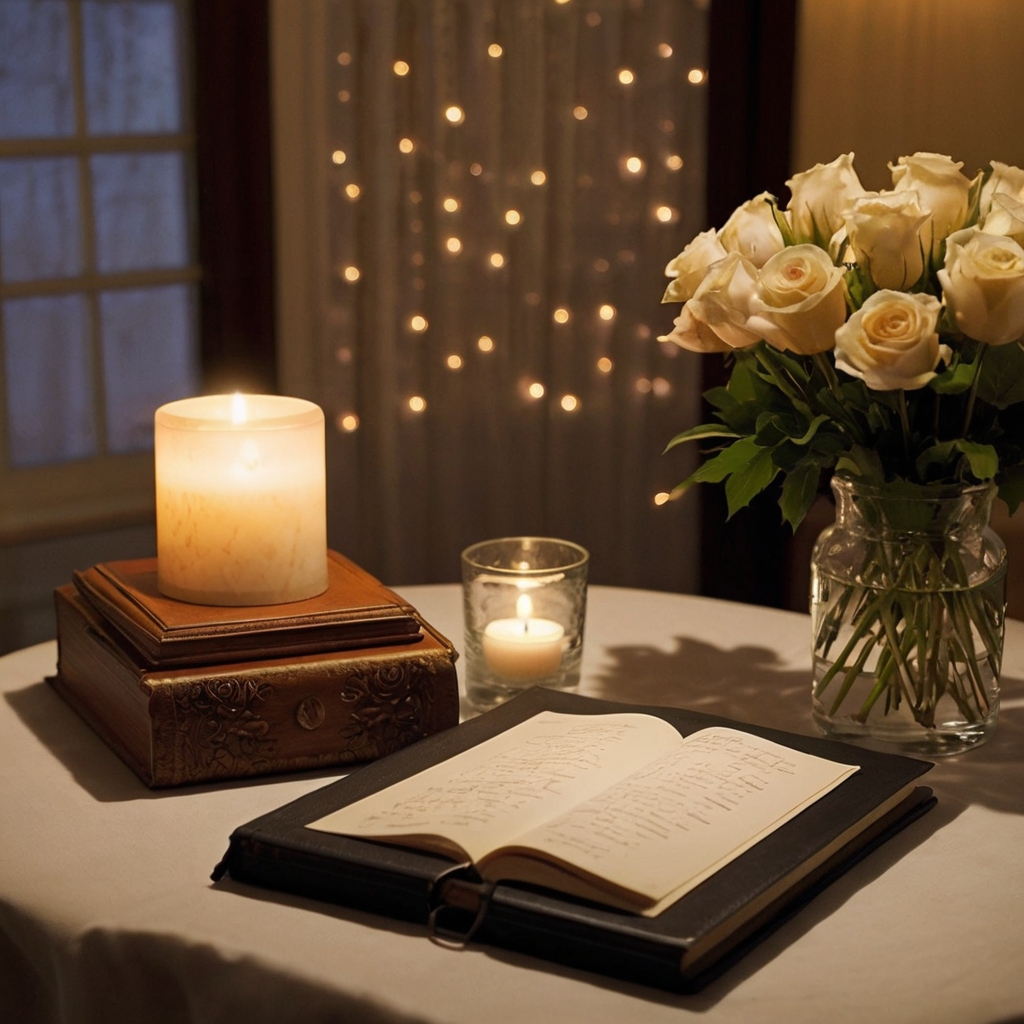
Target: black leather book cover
{"x":682,"y":948}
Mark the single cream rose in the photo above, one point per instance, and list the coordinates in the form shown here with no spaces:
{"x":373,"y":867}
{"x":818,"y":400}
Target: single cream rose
{"x":1005,"y":217}
{"x":891,"y":341}
{"x":941,"y":189}
{"x":799,"y":301}
{"x":752,"y":232}
{"x":820,"y":196}
{"x":688,"y":268}
{"x":721,"y":305}
{"x":889,"y":235}
{"x":983,"y":284}
{"x":1005,"y":179}
{"x":694,"y":335}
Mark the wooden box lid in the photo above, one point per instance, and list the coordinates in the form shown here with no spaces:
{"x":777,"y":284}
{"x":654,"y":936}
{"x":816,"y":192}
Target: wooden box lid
{"x":356,"y":611}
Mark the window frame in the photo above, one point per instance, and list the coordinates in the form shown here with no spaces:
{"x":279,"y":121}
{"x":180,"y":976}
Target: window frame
{"x":225,"y":97}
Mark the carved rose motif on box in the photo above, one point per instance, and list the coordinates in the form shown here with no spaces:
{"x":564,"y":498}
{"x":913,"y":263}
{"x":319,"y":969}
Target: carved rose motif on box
{"x":389,"y":708}
{"x":219,"y":727}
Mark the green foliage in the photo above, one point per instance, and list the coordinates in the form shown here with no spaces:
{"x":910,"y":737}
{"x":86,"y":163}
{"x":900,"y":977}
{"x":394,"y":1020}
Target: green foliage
{"x":796,"y":416}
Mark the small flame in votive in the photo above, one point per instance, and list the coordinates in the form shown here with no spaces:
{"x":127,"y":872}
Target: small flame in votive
{"x":238,"y":414}
{"x":524,"y":608}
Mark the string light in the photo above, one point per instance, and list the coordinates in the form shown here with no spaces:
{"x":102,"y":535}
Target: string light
{"x":664,"y":50}
{"x":348,"y":422}
{"x":494,"y":50}
{"x":593,"y":19}
{"x":344,"y":58}
{"x":535,"y":390}
{"x":344,"y":95}
{"x":513,"y":217}
{"x":418,"y":259}
{"x":416,"y":226}
{"x":417,"y":403}
{"x":454,"y":362}
{"x":338,"y":156}
{"x":606,"y":312}
{"x":532,"y":298}
{"x":695,"y":76}
{"x":406,"y":145}
{"x":634,"y":164}
{"x":667,"y":126}
{"x":579,"y":112}
{"x":451,"y":204}
{"x":484,"y":343}
{"x":476,"y":170}
{"x":453,"y":244}
{"x":352,"y":274}
{"x":626,"y":77}
{"x":454,"y":114}
{"x":418,"y":323}
{"x":570,"y":403}
{"x":643,"y":385}
{"x":496,"y":260}
{"x":666,"y":214}
{"x":560,"y":315}
{"x":353,"y":191}
{"x":674,"y":162}
{"x":416,"y":197}
{"x":538,"y":177}
{"x":601,"y":265}
{"x":604,"y":364}
{"x":400,"y":68}
{"x":661,"y":387}
{"x":661,"y":497}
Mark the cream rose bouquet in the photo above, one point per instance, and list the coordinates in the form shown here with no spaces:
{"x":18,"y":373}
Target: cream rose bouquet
{"x":876,"y":336}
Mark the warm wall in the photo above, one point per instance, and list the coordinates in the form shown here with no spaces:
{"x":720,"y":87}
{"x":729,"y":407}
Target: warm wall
{"x":887,"y":78}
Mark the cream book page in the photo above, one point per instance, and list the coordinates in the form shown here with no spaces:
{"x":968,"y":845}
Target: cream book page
{"x":682,"y":816}
{"x":493,"y":793}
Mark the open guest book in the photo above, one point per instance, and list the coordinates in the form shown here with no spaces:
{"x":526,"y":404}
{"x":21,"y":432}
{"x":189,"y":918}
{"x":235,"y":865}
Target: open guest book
{"x":654,"y":844}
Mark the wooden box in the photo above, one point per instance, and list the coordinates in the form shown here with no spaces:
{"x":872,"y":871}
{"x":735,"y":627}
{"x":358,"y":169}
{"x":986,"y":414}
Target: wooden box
{"x":189,"y":693}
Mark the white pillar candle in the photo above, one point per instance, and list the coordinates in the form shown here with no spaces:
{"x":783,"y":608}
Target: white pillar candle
{"x":523,"y":648}
{"x":240,"y":500}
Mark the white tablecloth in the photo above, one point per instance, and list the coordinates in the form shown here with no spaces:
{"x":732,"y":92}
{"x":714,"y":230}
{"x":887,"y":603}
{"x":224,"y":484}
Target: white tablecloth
{"x":107,"y":912}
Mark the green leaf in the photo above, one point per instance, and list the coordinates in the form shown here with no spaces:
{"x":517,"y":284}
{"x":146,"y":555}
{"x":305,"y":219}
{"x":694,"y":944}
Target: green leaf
{"x":1002,"y":375}
{"x":954,"y":381}
{"x":749,"y":480}
{"x":982,"y":459}
{"x":781,"y":222}
{"x":701,"y":430}
{"x":728,"y":461}
{"x":799,"y":490}
{"x":1011,"y":487}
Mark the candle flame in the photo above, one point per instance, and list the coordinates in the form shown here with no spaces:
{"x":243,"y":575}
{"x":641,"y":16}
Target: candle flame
{"x":524,"y":607}
{"x":238,"y":413}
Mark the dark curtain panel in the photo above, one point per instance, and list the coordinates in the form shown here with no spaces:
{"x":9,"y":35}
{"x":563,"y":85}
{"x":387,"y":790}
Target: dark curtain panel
{"x":751,"y":53}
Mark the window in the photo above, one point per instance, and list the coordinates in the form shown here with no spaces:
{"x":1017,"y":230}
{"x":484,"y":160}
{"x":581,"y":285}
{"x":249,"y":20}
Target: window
{"x":98,"y":271}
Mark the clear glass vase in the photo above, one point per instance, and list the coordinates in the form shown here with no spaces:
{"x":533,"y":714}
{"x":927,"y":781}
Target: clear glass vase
{"x":908,"y":603}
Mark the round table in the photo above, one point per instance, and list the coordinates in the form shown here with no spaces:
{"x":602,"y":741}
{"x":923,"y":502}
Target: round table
{"x":107,"y":912}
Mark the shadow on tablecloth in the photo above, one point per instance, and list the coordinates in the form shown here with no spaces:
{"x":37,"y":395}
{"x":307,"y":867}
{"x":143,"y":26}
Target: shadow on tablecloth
{"x":752,"y":684}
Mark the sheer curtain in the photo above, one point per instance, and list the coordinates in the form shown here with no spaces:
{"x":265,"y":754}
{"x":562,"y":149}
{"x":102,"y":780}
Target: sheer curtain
{"x":476,"y":200}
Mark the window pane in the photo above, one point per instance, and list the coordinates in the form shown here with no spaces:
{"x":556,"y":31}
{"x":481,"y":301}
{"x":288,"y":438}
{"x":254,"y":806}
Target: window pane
{"x":39,"y":223}
{"x":49,"y":379}
{"x":131,"y":67}
{"x":148,"y":359}
{"x":35,"y":69}
{"x":140,"y":216}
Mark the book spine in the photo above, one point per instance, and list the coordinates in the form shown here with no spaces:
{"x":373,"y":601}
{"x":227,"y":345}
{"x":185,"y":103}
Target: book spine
{"x":288,"y":715}
{"x":101,"y":683}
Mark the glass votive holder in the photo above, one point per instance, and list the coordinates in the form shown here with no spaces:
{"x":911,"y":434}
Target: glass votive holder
{"x":525,"y":600}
